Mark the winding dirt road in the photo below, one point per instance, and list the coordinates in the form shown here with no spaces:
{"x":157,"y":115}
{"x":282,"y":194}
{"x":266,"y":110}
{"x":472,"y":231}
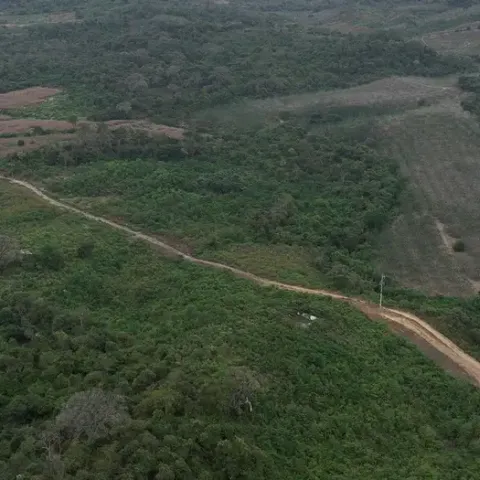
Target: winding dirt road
{"x":432,"y":342}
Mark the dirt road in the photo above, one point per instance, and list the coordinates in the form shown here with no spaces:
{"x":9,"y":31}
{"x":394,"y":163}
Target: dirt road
{"x":432,"y":342}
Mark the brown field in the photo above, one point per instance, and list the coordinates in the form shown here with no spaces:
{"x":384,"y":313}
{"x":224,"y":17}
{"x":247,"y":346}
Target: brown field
{"x":26,"y":97}
{"x":437,"y":148}
{"x":20,"y":125}
{"x":59,"y":127}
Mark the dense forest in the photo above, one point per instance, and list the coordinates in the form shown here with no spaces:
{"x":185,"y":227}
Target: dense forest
{"x":117,"y":363}
{"x":168,"y":61}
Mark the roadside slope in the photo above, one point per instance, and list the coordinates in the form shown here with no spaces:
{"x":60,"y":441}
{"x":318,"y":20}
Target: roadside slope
{"x":458,"y":360}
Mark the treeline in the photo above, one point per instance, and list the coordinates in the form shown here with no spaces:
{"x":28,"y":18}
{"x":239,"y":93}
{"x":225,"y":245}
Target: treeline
{"x":285,"y":186}
{"x":168,"y":61}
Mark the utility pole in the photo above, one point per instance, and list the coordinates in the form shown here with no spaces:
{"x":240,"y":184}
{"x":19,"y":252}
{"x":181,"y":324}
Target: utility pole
{"x":382,"y":282}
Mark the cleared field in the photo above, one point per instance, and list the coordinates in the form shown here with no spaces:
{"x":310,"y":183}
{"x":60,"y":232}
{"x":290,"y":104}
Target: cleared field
{"x":438,"y":150}
{"x":22,"y":143}
{"x":463,"y":40}
{"x":392,"y":91}
{"x":356,"y":18}
{"x":26,"y":97}
{"x":14,"y":125}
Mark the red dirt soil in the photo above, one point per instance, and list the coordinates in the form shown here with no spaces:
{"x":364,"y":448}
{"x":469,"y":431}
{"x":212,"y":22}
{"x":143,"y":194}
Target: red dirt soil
{"x":9,"y":125}
{"x":28,"y":96}
{"x":20,"y":125}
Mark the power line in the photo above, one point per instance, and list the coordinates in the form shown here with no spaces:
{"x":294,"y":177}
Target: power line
{"x":382,"y":283}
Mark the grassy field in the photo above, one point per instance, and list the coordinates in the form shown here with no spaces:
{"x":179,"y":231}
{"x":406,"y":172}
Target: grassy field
{"x":437,"y":148}
{"x":371,"y":99}
{"x":401,"y":16}
{"x":462,"y":40}
{"x":441,"y":27}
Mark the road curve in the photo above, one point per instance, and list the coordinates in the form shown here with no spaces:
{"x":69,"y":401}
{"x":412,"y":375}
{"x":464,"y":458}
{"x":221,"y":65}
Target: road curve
{"x":405,"y":320}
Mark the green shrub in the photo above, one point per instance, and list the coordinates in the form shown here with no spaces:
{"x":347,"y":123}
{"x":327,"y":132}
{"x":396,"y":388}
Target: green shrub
{"x":459,"y":246}
{"x":51,"y":257}
{"x":85,"y":250}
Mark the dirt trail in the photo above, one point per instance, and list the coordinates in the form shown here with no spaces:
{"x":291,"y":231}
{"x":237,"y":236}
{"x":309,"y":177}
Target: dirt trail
{"x":413,"y":326}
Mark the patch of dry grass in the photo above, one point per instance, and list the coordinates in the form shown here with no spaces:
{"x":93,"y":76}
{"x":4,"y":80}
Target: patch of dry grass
{"x":391,"y":91}
{"x":281,"y":262}
{"x":463,"y":40}
{"x":438,"y":150}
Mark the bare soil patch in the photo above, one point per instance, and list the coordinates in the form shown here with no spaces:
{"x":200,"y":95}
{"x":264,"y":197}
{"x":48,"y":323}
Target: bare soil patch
{"x":21,"y":125}
{"x":18,"y":127}
{"x":13,"y":125}
{"x":447,"y":240}
{"x":26,"y":97}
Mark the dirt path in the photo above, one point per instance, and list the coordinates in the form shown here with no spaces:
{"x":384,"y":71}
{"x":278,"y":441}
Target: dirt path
{"x":440,"y":348}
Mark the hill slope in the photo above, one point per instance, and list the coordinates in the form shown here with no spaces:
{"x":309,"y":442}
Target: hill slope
{"x":437,"y":148}
{"x":116,"y":317}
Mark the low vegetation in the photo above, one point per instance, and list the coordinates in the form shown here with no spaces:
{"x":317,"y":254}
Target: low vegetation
{"x":280,"y":186}
{"x":116,"y":363}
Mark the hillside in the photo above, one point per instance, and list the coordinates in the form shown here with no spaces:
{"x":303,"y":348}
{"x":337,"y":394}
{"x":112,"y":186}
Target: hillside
{"x":117,"y":317}
{"x":437,"y":150}
{"x":199,"y":201}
